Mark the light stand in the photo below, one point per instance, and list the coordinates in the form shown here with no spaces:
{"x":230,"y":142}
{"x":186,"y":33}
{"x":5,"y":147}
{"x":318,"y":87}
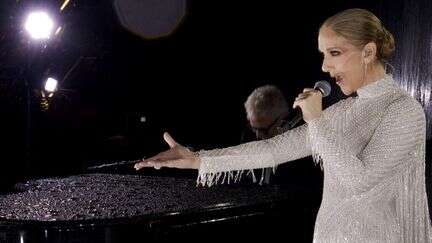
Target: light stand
{"x":39,"y":27}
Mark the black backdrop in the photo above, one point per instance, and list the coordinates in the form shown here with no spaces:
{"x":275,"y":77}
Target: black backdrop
{"x":191,"y":83}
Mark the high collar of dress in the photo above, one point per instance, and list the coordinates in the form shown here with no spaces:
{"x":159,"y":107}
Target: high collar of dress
{"x":376,"y":88}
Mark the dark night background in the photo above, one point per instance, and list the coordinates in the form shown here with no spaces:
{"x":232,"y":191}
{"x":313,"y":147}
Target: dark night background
{"x":191,"y":83}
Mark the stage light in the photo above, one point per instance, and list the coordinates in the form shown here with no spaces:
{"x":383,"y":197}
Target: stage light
{"x":63,"y":6}
{"x":51,"y":85}
{"x":39,"y":25}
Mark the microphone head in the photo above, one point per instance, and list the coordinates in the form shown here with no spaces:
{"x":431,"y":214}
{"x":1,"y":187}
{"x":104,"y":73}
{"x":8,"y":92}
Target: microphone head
{"x":324,"y":87}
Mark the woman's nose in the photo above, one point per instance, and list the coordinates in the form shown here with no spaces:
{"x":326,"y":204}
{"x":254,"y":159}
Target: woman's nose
{"x":324,"y":67}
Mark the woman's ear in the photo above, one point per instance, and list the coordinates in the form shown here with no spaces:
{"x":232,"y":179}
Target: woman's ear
{"x":369,"y":52}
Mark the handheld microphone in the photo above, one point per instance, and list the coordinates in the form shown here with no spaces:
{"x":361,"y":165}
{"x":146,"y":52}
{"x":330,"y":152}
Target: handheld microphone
{"x":325,"y":89}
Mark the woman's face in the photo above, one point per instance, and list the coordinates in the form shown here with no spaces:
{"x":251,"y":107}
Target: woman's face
{"x":342,"y":60}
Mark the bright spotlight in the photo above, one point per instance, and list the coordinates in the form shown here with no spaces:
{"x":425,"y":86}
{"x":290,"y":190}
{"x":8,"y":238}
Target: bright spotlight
{"x":39,"y":25}
{"x":51,"y":85}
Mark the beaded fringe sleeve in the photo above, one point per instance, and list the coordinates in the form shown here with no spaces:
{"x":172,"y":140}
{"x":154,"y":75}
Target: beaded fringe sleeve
{"x":230,"y":164}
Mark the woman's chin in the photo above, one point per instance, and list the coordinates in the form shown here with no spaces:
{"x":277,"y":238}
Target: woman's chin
{"x":346,"y":91}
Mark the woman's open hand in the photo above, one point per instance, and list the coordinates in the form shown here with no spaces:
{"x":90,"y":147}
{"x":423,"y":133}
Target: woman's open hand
{"x":177,"y":156}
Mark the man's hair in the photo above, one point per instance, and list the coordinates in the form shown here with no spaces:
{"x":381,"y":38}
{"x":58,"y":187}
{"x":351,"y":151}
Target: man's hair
{"x":266,"y":101}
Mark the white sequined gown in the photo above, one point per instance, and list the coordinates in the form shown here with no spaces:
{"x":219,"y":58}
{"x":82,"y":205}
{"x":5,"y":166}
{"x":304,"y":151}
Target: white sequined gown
{"x":372,"y":148}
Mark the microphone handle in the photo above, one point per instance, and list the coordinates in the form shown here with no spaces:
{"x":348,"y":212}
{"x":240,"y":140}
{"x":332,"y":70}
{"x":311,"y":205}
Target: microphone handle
{"x":294,"y":121}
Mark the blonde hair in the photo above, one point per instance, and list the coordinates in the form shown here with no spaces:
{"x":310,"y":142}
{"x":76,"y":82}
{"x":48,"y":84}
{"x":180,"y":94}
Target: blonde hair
{"x":360,"y":27}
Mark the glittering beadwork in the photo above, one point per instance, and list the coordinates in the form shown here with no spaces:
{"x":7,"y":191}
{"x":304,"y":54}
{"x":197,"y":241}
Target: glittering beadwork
{"x":372,"y":149}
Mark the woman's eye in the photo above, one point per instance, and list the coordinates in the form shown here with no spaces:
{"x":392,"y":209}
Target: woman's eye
{"x":334,"y":53}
